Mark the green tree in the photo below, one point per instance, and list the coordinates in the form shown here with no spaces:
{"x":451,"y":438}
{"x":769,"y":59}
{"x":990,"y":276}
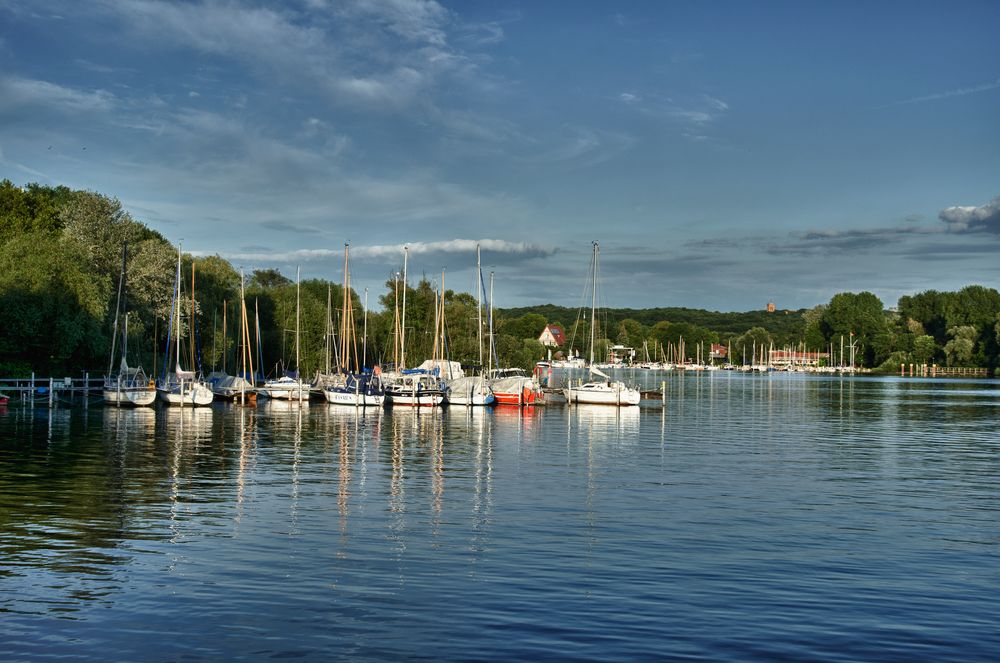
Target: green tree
{"x":860,"y":317}
{"x":51,"y":306}
{"x":742,"y":348}
{"x":631,"y":332}
{"x":529,"y":325}
{"x":101,"y":227}
{"x":924,"y":349}
{"x":959,"y":349}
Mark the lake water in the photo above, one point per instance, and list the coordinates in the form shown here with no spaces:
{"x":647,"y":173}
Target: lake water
{"x":755,"y":517}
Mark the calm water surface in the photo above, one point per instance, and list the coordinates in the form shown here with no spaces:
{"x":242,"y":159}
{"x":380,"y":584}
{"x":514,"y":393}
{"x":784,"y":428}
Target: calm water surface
{"x":754,"y":517}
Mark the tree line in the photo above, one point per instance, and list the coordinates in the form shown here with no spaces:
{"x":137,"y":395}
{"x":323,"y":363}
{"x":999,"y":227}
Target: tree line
{"x":60,"y":257}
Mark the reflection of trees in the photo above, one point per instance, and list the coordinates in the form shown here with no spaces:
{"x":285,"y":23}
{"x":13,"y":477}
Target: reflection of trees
{"x":65,"y":501}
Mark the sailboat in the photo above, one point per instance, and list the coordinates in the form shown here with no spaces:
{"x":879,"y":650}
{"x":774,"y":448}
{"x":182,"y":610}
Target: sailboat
{"x":511,"y":386}
{"x":289,"y":387}
{"x":417,"y":387}
{"x":360,"y":387}
{"x":238,"y":387}
{"x":181,"y":387}
{"x":130,"y":386}
{"x":607,"y":391}
{"x":471,"y":389}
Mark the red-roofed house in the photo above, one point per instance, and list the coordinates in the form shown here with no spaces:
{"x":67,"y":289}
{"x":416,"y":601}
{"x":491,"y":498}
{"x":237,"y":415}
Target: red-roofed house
{"x":552,"y":336}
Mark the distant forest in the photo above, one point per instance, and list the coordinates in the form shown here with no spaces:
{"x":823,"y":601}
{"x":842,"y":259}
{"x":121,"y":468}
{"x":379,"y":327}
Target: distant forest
{"x":61,"y":254}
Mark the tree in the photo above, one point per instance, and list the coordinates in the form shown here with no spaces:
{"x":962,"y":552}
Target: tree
{"x":959,"y":349}
{"x":101,"y":227}
{"x":268,"y":278}
{"x":51,"y":306}
{"x":924,"y":349}
{"x":631,"y":332}
{"x":529,"y":325}
{"x":860,"y":317}
{"x":744,"y":345}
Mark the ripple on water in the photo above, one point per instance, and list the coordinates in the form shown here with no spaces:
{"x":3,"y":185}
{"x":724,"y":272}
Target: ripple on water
{"x":752,"y":517}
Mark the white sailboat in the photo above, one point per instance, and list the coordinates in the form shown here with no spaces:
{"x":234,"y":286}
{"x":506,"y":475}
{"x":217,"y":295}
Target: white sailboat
{"x":607,"y":391}
{"x":410,"y":388}
{"x":289,"y":387}
{"x":130,"y":386}
{"x":358,"y":388}
{"x":182,"y":387}
{"x":472,"y":389}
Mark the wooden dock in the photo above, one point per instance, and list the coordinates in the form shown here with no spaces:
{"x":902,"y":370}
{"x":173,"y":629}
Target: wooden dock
{"x":51,"y":392}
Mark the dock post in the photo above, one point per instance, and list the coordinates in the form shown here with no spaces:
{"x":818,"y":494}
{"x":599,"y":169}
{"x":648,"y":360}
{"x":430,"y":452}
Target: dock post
{"x":86,"y":390}
{"x":51,"y":385}
{"x":902,"y":370}
{"x":32,"y":389}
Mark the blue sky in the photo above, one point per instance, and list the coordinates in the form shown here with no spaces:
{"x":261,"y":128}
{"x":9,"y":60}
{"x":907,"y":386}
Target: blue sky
{"x":724,"y":154}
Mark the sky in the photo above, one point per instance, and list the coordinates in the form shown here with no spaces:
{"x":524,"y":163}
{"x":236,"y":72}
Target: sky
{"x":724,"y":154}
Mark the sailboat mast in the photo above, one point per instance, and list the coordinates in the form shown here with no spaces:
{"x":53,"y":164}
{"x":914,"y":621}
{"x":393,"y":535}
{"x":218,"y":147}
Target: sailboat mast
{"x":298,"y":368}
{"x":124,"y":291}
{"x":344,"y":350}
{"x":479,"y":305}
{"x":593,"y":307}
{"x":225,"y":336}
{"x":329,"y":323}
{"x":402,"y":334}
{"x":437,"y":321}
{"x":247,"y":355}
{"x":395,"y":324}
{"x":364,"y":342}
{"x":191,"y":323}
{"x":260,"y":350}
{"x":491,"y":324}
{"x":443,"y":354}
{"x":177,"y":297}
{"x":118,"y":306}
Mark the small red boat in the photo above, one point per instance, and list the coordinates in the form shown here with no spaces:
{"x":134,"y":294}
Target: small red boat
{"x":513,"y":387}
{"x":3,"y":399}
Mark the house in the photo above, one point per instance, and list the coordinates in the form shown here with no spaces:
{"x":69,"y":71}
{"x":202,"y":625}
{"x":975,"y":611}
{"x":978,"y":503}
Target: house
{"x":718,"y":352}
{"x":621,"y":354}
{"x":552,"y":336}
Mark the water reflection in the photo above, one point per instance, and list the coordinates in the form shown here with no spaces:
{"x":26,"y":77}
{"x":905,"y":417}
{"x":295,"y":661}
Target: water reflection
{"x":608,"y":423}
{"x":331,"y":532}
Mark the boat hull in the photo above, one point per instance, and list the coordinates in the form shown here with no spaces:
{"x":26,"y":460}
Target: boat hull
{"x":525,"y":396}
{"x":591,"y":394}
{"x":197,"y":395}
{"x":135,"y":396}
{"x":478,"y":399}
{"x":286,"y":392}
{"x":416,"y":399}
{"x":353,"y":398}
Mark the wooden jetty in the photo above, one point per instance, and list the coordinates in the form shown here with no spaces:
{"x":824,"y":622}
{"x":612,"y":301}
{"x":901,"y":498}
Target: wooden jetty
{"x":52,"y":391}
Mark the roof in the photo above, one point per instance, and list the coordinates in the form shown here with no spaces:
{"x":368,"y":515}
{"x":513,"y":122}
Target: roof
{"x":557,"y":333}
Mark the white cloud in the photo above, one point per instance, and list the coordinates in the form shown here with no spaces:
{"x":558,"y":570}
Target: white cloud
{"x":959,"y":92}
{"x":415,"y":20}
{"x":975,"y":218}
{"x":467,"y":246}
{"x":586,"y":146}
{"x":393,"y":252}
{"x":16,"y":93}
{"x":692,"y":113}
